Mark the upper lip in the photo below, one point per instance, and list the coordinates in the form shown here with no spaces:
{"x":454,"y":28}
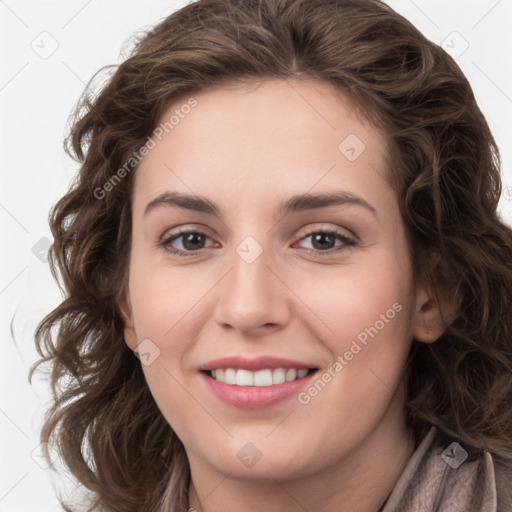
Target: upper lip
{"x":259,"y":363}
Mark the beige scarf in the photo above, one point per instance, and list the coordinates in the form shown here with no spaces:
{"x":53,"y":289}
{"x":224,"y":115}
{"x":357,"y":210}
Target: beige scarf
{"x":441,"y":478}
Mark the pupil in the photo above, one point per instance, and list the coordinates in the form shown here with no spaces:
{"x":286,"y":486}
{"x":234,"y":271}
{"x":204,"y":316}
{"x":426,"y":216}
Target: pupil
{"x":191,"y":240}
{"x":323,"y":237}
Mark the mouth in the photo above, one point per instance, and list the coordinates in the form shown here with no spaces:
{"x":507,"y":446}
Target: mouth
{"x":259,"y":389}
{"x":255,"y":383}
{"x":262,"y":378}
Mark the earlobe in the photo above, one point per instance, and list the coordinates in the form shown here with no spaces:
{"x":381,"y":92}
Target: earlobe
{"x":125,"y":311}
{"x":433,"y":313}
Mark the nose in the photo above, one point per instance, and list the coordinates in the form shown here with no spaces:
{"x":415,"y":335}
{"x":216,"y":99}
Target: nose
{"x":253,"y":298}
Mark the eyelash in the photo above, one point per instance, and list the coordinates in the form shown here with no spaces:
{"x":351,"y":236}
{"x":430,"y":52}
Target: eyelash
{"x":348,"y":242}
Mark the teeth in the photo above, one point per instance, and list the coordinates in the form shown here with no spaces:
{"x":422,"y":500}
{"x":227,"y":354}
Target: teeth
{"x":263,"y":378}
{"x":301,"y":373}
{"x":229,"y":376}
{"x":244,"y":378}
{"x":260,"y":378}
{"x":278,"y":376}
{"x":291,"y":374}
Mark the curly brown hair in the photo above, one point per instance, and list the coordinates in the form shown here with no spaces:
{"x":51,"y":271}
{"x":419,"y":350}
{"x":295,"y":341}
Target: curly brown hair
{"x":446,"y":171}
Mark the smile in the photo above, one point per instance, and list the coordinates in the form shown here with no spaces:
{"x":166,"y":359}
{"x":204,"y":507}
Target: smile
{"x":261,"y":378}
{"x":246,"y":389}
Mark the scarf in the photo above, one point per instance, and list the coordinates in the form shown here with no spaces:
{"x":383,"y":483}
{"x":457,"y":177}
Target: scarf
{"x":440,"y":477}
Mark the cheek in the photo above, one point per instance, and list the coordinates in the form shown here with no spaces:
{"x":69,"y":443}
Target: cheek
{"x":164,"y":300}
{"x":166,"y":307}
{"x":352,"y":298}
{"x":366,"y":311}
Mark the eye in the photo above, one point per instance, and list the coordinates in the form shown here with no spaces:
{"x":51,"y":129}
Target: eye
{"x":325,"y":241}
{"x":185,"y":243}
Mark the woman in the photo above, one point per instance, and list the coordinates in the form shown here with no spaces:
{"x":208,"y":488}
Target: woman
{"x":287,"y":211}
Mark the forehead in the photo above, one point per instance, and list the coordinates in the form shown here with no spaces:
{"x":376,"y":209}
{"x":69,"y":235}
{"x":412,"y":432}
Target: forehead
{"x":273,"y":134}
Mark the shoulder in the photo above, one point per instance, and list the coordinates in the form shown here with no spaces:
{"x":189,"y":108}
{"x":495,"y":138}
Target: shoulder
{"x":444,"y":474}
{"x":486,"y":476}
{"x":503,"y":475}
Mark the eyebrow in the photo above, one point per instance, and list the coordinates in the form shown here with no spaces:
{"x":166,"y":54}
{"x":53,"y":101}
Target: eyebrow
{"x":189,"y":202}
{"x":298,"y":203}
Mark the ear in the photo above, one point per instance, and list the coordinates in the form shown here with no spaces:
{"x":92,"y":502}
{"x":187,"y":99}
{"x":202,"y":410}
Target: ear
{"x":126,"y":313}
{"x":434,"y":311}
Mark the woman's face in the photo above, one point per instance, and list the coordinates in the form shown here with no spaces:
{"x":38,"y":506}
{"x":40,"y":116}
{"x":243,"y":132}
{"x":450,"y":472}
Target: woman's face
{"x":266,"y":240}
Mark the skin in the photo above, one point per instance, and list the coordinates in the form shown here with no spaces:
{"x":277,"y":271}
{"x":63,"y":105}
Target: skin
{"x":247,"y":149}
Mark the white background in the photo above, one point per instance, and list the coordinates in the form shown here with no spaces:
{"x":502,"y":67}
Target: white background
{"x":37,"y":95}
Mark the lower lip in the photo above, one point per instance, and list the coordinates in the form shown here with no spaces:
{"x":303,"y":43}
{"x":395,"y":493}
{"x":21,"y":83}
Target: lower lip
{"x":255,"y":397}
